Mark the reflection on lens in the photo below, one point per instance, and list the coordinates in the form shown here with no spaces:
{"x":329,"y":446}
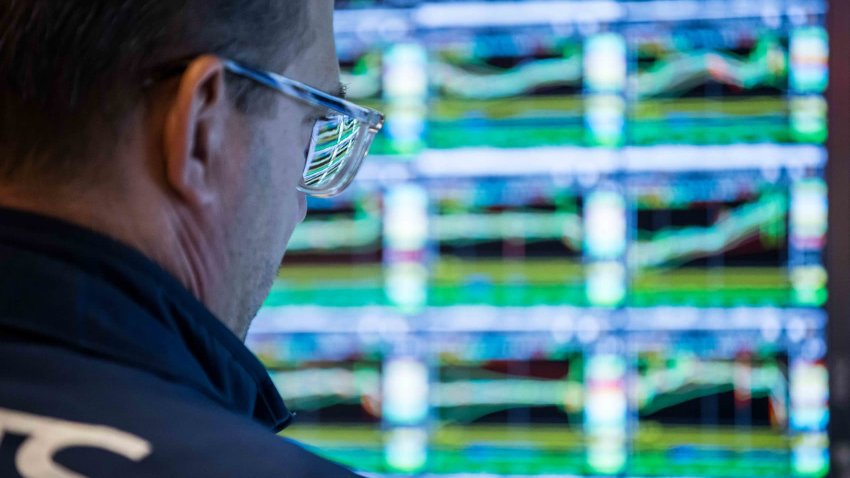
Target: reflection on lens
{"x":332,"y":144}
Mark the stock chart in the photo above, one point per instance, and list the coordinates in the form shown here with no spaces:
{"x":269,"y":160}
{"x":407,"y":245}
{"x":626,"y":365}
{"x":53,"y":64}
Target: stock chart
{"x":589,"y":242}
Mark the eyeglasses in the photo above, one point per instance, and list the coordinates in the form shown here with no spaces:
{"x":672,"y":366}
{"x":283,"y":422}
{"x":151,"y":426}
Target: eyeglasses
{"x":340,"y":140}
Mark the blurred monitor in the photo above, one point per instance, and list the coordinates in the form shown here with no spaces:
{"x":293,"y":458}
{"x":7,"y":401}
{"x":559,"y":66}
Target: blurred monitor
{"x":589,"y":242}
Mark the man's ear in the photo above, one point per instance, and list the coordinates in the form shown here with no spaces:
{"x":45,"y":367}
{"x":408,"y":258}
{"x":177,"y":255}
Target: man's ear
{"x":194,"y":130}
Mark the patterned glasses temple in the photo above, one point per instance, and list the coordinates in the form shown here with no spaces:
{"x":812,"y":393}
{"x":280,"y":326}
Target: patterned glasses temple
{"x":296,"y":89}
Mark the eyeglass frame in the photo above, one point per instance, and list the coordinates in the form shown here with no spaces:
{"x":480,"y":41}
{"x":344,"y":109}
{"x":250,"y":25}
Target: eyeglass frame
{"x":295,"y":89}
{"x":373,"y":119}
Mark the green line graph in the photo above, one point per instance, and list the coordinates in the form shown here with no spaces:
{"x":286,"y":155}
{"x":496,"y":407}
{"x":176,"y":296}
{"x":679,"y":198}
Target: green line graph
{"x":479,"y":392}
{"x":525,"y":225}
{"x":487,"y":82}
{"x":673,"y":246}
{"x":333,"y":233}
{"x":663,"y":388}
{"x":767,"y":65}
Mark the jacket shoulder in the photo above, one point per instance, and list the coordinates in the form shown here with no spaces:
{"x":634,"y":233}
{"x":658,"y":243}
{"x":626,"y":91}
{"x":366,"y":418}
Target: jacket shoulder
{"x":116,"y":420}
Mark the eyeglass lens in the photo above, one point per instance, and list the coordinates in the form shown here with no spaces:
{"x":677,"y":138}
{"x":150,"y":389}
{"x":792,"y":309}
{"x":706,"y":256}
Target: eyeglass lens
{"x":333,"y":143}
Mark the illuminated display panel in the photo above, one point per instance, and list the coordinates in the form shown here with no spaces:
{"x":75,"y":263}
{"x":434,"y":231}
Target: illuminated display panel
{"x":506,"y":90}
{"x":503,"y":243}
{"x":712,"y":415}
{"x":513,"y":406}
{"x":589,"y":242}
{"x":701,"y":86}
{"x":752,"y":239}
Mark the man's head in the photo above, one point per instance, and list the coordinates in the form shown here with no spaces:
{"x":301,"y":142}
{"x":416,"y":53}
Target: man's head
{"x":192,"y":165}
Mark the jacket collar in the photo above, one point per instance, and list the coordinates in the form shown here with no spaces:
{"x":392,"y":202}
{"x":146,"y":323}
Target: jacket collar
{"x":78,"y":289}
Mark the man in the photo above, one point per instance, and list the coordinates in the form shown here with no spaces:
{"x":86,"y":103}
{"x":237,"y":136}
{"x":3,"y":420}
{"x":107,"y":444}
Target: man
{"x":151,"y":175}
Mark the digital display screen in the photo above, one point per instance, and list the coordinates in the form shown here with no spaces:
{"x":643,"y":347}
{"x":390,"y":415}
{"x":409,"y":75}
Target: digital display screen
{"x":589,"y":242}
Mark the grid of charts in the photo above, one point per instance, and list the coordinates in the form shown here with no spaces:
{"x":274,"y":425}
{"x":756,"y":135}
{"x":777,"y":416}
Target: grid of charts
{"x":589,"y":242}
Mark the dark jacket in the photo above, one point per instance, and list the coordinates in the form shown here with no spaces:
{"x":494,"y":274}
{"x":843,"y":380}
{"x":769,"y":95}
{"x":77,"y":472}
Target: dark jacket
{"x":110,"y":368}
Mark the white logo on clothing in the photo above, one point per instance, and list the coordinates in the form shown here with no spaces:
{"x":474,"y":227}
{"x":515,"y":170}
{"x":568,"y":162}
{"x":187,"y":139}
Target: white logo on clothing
{"x":45,"y":437}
